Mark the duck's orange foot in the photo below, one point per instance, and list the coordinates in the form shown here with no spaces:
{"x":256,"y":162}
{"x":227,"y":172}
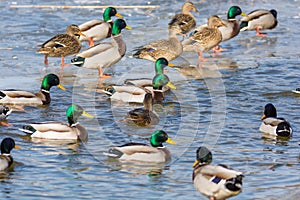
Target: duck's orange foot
{"x":259,"y":34}
{"x":218,"y":49}
{"x":91,"y":42}
{"x":5,"y":124}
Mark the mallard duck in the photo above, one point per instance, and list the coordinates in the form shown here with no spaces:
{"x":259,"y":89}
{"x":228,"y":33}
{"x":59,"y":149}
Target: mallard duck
{"x":168,"y":48}
{"x":96,"y":30}
{"x":216,"y":182}
{"x":232,"y":27}
{"x":4,"y":112}
{"x":259,"y":19}
{"x":205,"y":38}
{"x":185,"y":20}
{"x":104,"y":54}
{"x":273,"y":125}
{"x":135,"y":90}
{"x":59,"y":130}
{"x":6,"y":159}
{"x":144,"y":116}
{"x":19,"y":97}
{"x":156,"y":153}
{"x":62,"y":45}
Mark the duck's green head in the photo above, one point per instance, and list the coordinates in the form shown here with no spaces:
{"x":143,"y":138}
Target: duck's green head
{"x":118,"y":25}
{"x":203,"y":156}
{"x":270,"y":111}
{"x":7,"y":145}
{"x":78,"y":61}
{"x":235,"y":11}
{"x":161,"y":80}
{"x":75,"y":111}
{"x":274,"y":13}
{"x":160,"y":64}
{"x":110,"y":12}
{"x":51,"y":80}
{"x":159,"y":137}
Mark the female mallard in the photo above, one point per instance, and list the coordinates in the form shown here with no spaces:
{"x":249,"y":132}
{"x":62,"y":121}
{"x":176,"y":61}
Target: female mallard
{"x":4,"y":112}
{"x":168,"y":48}
{"x":205,"y":38}
{"x":216,"y":182}
{"x":156,"y":153}
{"x":273,"y":125}
{"x":59,"y":130}
{"x":62,"y":45}
{"x":104,"y":54}
{"x":232,"y":27}
{"x":259,"y":19}
{"x":185,"y":20}
{"x":135,"y":90}
{"x":6,"y":159}
{"x":144,"y":116}
{"x":19,"y":97}
{"x":96,"y":30}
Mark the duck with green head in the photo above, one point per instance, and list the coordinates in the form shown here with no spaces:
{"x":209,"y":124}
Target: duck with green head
{"x":274,"y":125}
{"x":156,"y":153}
{"x":20,"y":97}
{"x":134,"y":90}
{"x":104,"y":54}
{"x":6,"y":160}
{"x":215,"y":181}
{"x":259,"y":19}
{"x":56,"y":130}
{"x":232,"y":27}
{"x":96,"y":30}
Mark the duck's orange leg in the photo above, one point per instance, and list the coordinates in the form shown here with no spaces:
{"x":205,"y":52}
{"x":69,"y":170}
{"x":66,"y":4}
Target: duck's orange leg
{"x":5,"y":124}
{"x":102,"y":75}
{"x":218,"y":49}
{"x":46,"y":62}
{"x":200,"y":58}
{"x":91,"y":42}
{"x":62,"y":64}
{"x":258,"y":33}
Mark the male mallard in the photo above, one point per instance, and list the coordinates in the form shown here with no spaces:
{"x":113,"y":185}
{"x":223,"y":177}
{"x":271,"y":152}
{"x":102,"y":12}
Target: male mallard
{"x":135,"y":90}
{"x":96,"y":30}
{"x":4,"y":112}
{"x":62,"y":45}
{"x":168,"y":48}
{"x":259,"y":19}
{"x":156,"y":153}
{"x":144,"y":116}
{"x":59,"y":130}
{"x":216,"y":182}
{"x":19,"y":97}
{"x":204,"y":38}
{"x":232,"y":27}
{"x":6,"y":159}
{"x":273,"y":125}
{"x":185,"y":20}
{"x":104,"y":54}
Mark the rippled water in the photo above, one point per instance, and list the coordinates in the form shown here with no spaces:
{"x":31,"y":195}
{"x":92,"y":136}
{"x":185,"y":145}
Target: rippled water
{"x":219,"y":106}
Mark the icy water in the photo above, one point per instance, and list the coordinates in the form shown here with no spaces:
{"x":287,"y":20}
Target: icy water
{"x":218,"y":105}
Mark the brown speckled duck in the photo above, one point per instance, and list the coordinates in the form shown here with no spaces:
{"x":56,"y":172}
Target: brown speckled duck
{"x":62,"y":45}
{"x":204,"y":38}
{"x":96,"y":30}
{"x":259,"y":19}
{"x":168,"y":48}
{"x":185,"y":20}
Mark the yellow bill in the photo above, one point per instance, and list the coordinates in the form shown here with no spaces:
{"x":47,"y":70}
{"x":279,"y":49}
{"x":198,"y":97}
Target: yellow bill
{"x":170,"y":141}
{"x":119,"y":15}
{"x":195,"y":163}
{"x":17,"y":147}
{"x":128,"y":27}
{"x":170,"y":85}
{"x":244,"y":14}
{"x":86,"y":114}
{"x":61,"y":87}
{"x":81,"y":34}
{"x":263,"y":117}
{"x":171,"y":65}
